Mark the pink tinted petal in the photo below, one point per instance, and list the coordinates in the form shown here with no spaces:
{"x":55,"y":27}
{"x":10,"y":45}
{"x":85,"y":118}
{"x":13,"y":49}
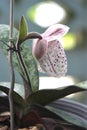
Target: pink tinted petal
{"x":39,"y":48}
{"x":57,"y":30}
{"x":54,"y":62}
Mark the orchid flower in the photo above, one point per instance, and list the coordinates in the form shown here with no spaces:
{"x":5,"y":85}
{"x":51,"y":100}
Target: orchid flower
{"x":49,"y":51}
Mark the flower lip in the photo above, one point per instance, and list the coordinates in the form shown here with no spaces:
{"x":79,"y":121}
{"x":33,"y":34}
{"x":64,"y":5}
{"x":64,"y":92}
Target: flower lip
{"x":54,"y":62}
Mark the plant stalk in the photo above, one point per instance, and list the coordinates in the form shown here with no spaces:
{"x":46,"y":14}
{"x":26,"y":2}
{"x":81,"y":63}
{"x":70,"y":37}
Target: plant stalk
{"x":25,"y":71}
{"x":11,"y":65}
{"x":32,"y":35}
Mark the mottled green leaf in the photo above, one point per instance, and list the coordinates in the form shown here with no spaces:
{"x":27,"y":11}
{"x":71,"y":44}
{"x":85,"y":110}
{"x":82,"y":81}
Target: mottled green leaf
{"x":22,"y":30}
{"x":4,"y":37}
{"x":26,"y":53}
{"x":44,"y":97}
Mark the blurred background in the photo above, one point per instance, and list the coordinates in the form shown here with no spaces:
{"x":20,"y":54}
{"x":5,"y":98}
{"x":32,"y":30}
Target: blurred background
{"x":39,"y":15}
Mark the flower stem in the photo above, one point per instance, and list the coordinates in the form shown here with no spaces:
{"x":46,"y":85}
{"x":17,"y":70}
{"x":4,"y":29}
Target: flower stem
{"x":25,"y":72}
{"x":31,"y":35}
{"x":11,"y":66}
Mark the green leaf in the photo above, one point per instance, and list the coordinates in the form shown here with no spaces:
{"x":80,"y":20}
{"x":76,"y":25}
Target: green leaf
{"x":4,"y":37}
{"x":18,"y":88}
{"x":16,"y":97}
{"x":26,"y":53}
{"x":42,"y":111}
{"x":34,"y":114}
{"x":71,"y":111}
{"x":44,"y":97}
{"x":23,"y":29}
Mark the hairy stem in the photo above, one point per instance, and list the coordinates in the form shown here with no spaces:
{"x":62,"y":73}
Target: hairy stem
{"x":11,"y":66}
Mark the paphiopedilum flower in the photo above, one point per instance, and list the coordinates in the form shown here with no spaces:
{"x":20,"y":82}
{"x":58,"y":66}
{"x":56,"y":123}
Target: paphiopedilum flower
{"x":49,"y":51}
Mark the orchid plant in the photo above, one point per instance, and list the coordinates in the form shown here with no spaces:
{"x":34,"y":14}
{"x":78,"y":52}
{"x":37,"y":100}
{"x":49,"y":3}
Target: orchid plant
{"x":33,"y":108}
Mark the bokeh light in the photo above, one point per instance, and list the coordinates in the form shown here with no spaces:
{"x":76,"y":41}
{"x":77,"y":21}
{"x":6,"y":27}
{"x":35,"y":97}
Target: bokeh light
{"x":45,"y":14}
{"x":69,"y":41}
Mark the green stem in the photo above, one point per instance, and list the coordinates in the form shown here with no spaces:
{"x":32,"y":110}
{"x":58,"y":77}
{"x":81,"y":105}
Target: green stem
{"x":25,"y":72}
{"x":31,"y":35}
{"x":11,"y":67}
